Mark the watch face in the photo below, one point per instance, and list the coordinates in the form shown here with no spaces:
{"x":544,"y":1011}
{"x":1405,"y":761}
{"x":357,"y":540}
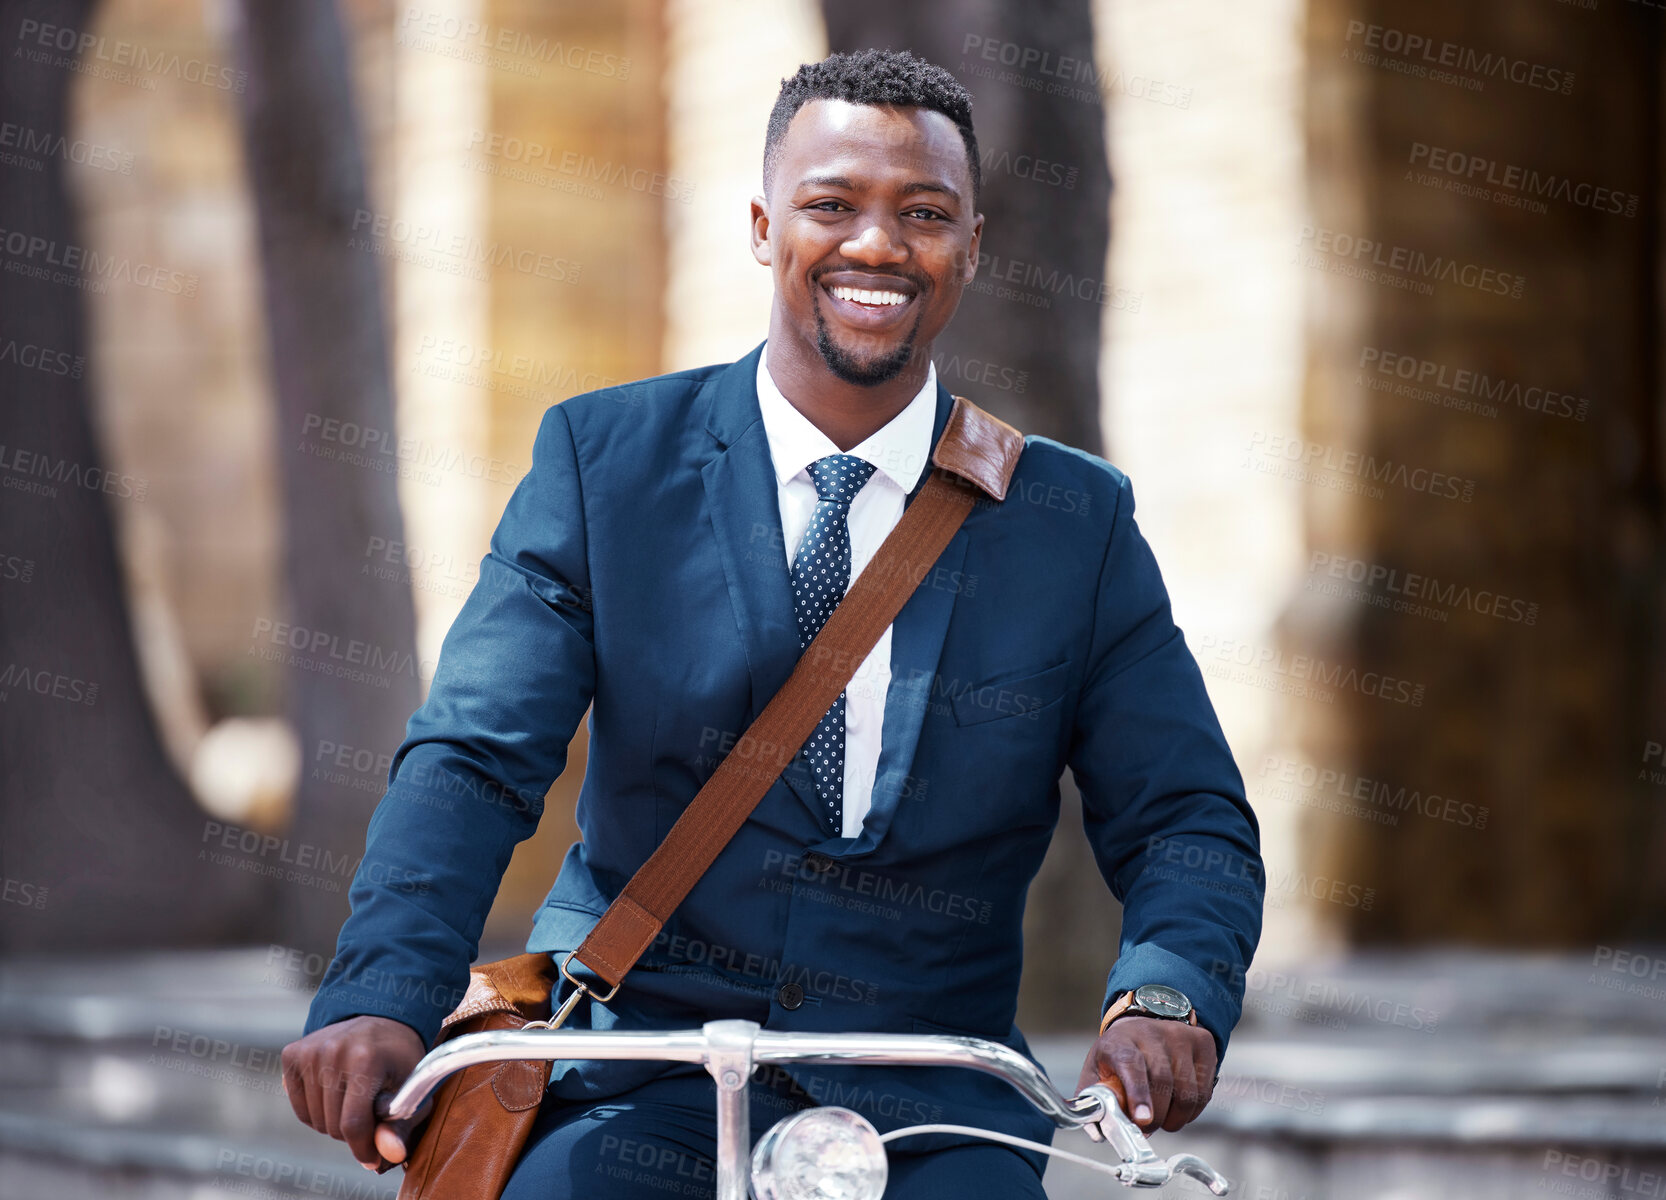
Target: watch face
{"x":1162,"y":1001}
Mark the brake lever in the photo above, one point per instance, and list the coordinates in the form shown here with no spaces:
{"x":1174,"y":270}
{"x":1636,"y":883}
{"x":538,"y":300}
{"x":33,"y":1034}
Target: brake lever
{"x":1140,"y":1165}
{"x":1117,"y":1128}
{"x":1191,"y":1164}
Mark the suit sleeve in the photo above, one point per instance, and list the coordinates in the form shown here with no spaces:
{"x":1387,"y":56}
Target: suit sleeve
{"x":1163,"y":802}
{"x":516,"y":674}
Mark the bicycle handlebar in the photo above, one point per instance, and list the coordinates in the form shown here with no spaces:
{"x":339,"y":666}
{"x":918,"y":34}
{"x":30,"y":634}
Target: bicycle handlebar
{"x":1096,"y":1110}
{"x":691,"y":1046}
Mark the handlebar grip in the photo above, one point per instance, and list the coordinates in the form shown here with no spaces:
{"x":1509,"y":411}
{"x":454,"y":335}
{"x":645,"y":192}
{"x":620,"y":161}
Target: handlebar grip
{"x":1115,"y":1085}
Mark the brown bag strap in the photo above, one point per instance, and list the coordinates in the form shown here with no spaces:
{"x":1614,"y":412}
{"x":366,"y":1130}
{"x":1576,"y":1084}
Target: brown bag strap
{"x":975,"y":447}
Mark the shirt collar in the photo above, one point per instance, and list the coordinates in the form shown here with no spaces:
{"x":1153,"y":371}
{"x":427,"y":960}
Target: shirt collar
{"x":899,"y":449}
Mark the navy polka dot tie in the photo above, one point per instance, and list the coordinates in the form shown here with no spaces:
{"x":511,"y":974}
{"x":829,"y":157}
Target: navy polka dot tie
{"x":820,"y":575}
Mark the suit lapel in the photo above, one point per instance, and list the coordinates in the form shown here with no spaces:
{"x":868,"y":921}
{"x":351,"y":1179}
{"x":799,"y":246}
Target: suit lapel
{"x":917,"y":637}
{"x":916,"y":646}
{"x":746,"y":518}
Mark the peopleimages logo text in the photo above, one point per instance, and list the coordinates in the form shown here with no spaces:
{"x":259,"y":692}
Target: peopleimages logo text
{"x":1412,"y":263}
{"x":1431,"y":52}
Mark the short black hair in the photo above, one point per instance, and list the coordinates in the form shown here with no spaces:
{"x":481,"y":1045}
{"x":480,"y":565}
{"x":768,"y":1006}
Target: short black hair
{"x":874,"y":77}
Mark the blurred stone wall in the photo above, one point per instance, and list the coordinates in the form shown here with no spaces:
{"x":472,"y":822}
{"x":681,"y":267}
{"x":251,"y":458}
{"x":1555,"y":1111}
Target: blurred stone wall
{"x":1200,"y":348}
{"x":574,"y":152}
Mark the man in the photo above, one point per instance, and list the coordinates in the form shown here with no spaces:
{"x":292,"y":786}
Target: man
{"x":663,"y":563}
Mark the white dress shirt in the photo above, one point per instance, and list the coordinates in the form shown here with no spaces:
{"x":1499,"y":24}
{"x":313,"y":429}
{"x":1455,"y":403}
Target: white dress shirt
{"x":899,"y":452}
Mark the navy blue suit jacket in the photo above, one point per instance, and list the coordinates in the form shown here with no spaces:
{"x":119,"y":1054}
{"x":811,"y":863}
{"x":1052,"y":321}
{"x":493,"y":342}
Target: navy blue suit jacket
{"x":639,"y":572}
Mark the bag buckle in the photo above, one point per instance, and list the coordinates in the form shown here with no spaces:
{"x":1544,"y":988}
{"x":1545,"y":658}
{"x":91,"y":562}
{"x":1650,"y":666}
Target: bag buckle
{"x":571,"y":1002}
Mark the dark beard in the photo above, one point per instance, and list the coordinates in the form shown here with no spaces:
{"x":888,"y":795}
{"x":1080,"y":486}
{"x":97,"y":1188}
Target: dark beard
{"x":852,"y":370}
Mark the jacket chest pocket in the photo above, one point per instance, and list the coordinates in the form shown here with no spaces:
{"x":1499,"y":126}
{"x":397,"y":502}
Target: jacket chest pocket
{"x":1011,"y":697}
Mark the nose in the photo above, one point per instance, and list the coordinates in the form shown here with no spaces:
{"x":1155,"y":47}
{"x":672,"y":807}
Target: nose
{"x":874,"y":244}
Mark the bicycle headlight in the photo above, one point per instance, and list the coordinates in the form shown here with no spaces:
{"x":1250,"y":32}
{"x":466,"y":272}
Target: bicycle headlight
{"x":820,"y":1154}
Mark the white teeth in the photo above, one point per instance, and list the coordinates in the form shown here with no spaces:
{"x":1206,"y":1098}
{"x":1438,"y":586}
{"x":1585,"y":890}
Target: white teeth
{"x":864,"y":296}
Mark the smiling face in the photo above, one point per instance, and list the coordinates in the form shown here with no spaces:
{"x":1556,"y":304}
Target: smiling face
{"x":870,"y":234}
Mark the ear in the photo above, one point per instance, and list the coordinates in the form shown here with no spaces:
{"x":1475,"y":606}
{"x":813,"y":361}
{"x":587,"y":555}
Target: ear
{"x":971,"y":269}
{"x":760,"y":230}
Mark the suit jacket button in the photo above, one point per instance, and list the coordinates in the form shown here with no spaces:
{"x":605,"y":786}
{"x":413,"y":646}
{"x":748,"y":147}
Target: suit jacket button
{"x":818,"y":862}
{"x":790,"y":996}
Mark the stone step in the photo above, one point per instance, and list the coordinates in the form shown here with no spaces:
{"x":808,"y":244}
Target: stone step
{"x":155,"y":1160}
{"x":158,"y":1075}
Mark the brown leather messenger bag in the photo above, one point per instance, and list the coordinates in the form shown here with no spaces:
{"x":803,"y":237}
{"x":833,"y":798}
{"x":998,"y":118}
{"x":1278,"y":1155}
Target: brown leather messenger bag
{"x":483,"y":1115}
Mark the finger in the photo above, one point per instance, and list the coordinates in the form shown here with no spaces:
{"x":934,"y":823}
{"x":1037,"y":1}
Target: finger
{"x":1183,"y":1100}
{"x":1204,"y":1063}
{"x":315,"y":1094}
{"x":295,"y":1086}
{"x":393,"y":1140}
{"x":1160,"y":1076}
{"x":1130,"y":1068}
{"x":1094,"y":1072}
{"x":1089,"y":1073}
{"x":332,"y":1082}
{"x":358,"y":1121}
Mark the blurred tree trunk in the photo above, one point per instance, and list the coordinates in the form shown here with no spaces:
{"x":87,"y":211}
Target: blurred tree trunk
{"x":1046,"y":204}
{"x":328,"y":341}
{"x":1550,"y":727}
{"x":99,"y":837}
{"x":1046,"y":230}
